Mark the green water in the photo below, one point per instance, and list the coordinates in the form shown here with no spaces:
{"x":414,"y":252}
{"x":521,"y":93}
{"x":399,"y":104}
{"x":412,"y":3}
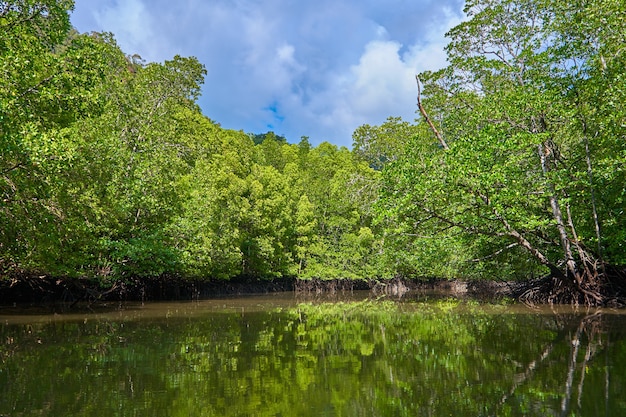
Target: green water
{"x":279,"y":356}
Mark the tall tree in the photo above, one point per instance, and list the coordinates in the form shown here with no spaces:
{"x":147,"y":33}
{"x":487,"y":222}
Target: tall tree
{"x":517,"y":171}
{"x":52,"y":78}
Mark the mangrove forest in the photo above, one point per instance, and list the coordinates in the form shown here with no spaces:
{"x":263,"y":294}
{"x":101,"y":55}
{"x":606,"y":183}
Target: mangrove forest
{"x":514,"y":169}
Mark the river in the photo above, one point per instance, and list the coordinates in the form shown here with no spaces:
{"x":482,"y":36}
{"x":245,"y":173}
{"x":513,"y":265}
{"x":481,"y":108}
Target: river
{"x":284,"y":355}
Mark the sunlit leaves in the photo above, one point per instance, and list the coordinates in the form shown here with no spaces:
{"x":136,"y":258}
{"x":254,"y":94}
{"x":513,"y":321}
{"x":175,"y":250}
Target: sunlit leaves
{"x":530,"y":134}
{"x":379,"y":145}
{"x":51,"y":79}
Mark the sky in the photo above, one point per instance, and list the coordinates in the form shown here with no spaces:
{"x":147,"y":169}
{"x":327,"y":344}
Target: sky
{"x":298,"y":68}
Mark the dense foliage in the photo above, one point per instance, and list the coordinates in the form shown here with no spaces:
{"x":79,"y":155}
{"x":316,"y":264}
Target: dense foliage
{"x":109,"y":170}
{"x":519,"y":166}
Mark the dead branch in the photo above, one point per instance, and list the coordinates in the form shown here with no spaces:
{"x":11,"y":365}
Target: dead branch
{"x":438,"y":135}
{"x":496,"y":253}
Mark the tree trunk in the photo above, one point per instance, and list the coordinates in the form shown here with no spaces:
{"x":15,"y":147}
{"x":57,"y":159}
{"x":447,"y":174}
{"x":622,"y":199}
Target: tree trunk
{"x":571,"y":268}
{"x":420,"y":106}
{"x":596,"y":220}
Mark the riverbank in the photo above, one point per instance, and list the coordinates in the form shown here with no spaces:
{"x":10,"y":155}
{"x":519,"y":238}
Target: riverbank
{"x":49,"y":290}
{"x":45,"y":290}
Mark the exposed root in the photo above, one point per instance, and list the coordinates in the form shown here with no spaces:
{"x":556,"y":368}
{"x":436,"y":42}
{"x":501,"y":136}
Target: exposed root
{"x":605,"y":288}
{"x":319,"y":286}
{"x":596,"y":289}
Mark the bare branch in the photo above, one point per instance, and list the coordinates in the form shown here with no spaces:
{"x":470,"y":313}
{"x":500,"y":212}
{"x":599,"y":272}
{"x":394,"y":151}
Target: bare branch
{"x":13,"y":168}
{"x":440,"y":138}
{"x":496,"y":253}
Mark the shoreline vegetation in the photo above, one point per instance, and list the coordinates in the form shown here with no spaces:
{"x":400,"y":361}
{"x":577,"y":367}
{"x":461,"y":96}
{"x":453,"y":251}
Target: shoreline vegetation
{"x":113,"y":180}
{"x":46,"y":291}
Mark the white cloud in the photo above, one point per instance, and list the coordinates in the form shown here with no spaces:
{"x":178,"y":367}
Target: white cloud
{"x":378,"y":86}
{"x":381,"y":80}
{"x":285,"y":54}
{"x":318,"y":69}
{"x":382,"y":83}
{"x":132,"y":25}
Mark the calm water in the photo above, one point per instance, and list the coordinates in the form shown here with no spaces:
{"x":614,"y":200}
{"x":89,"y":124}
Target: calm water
{"x":278,"y":356}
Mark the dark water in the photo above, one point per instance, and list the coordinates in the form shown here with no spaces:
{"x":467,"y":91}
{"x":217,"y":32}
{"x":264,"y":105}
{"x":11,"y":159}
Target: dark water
{"x":278,"y":356}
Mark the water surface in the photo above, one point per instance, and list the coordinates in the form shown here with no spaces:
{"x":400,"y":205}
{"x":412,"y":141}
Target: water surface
{"x":282,"y":356}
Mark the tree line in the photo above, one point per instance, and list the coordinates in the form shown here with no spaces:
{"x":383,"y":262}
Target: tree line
{"x":110,"y":170}
{"x":515,"y":168}
{"x":519,"y":164}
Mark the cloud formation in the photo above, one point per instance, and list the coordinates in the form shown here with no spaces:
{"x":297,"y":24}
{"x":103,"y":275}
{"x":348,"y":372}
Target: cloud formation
{"x":300,"y":68}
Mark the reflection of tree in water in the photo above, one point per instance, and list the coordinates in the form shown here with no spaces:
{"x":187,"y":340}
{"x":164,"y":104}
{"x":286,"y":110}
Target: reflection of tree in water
{"x":589,"y":328}
{"x":587,"y":337}
{"x":354,"y":358}
{"x":461,"y":361}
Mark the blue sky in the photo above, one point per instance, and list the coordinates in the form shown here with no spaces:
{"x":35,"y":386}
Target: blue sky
{"x":297,"y":67}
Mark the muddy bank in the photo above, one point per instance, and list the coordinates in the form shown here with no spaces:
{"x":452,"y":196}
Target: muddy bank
{"x":44,"y":290}
{"x":401,"y":286}
{"x":47,"y":290}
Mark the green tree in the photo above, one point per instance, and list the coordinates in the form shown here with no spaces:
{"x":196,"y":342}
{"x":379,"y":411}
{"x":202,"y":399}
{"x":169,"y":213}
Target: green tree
{"x":513,"y":169}
{"x":337,"y":186}
{"x":208,"y":231}
{"x":269,"y":228}
{"x":306,"y":225}
{"x":379,"y":145}
{"x":122,"y":184}
{"x":52,"y":79}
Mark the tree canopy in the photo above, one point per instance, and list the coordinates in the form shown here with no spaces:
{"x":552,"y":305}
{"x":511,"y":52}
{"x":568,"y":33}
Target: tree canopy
{"x":520,"y":163}
{"x":515,"y":169}
{"x":109,"y":170}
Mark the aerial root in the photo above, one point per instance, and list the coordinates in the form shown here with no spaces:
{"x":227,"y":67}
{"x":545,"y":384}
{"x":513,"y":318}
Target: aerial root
{"x":592,"y":288}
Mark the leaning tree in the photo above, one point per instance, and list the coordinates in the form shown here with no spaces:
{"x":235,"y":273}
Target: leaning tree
{"x":528,"y":150}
